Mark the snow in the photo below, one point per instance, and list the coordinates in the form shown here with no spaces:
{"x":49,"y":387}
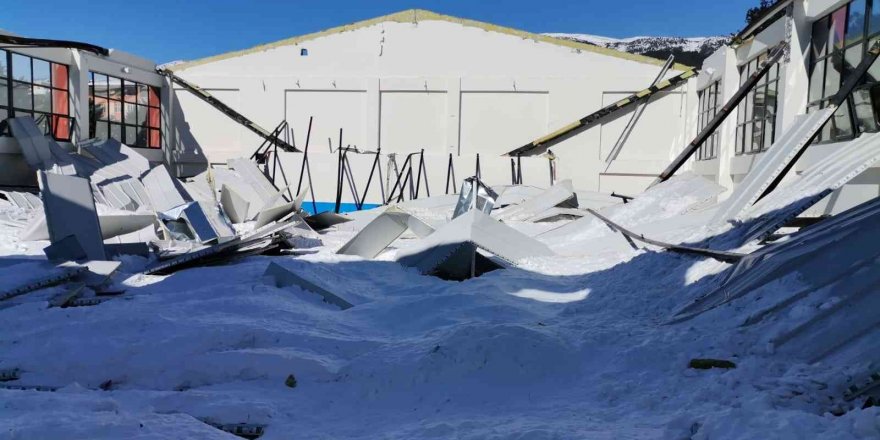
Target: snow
{"x":562,"y":347}
{"x":641,"y":44}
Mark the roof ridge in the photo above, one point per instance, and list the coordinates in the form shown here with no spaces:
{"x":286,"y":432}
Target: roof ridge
{"x":415,"y":15}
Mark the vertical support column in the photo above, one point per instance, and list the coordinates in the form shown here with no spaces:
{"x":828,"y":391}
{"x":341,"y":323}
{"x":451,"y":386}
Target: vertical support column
{"x":79,"y":94}
{"x":168,"y":106}
{"x":727,"y":130}
{"x":794,"y":81}
{"x":453,"y":111}
{"x":373,"y":116}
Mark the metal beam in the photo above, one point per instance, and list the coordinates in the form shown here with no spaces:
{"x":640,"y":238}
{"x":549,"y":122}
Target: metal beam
{"x":41,"y":42}
{"x":541,"y":145}
{"x":723,"y":113}
{"x":227,"y":110}
{"x":855,"y":77}
{"x":727,"y":257}
{"x":627,"y":130}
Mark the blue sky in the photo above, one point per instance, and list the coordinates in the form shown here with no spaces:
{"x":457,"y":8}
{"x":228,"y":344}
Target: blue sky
{"x":165,"y":30}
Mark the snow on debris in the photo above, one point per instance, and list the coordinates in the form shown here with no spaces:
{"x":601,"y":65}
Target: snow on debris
{"x":564,"y":347}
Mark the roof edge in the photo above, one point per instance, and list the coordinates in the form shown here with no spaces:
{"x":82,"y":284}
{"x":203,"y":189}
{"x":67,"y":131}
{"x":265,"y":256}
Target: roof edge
{"x":416,"y":15}
{"x":768,"y":16}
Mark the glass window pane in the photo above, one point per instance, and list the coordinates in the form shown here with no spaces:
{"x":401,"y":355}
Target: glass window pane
{"x":2,"y":63}
{"x":100,"y":84}
{"x":841,"y":126}
{"x":825,"y":134}
{"x":769,"y":130}
{"x":143,"y":94}
{"x":116,"y":132}
{"x":817,"y":80}
{"x":851,"y":59}
{"x":130,"y":113}
{"x":101,"y":130}
{"x":114,"y":109}
{"x":855,"y":29}
{"x":750,"y":102}
{"x":60,"y":102}
{"x":874,"y":20}
{"x":739,"y":138}
{"x":3,"y":114}
{"x":873,"y":74}
{"x":864,"y":109}
{"x":41,"y":72}
{"x":142,"y":136}
{"x":760,"y":98}
{"x":130,"y":135}
{"x":99,"y":109}
{"x":114,"y":88}
{"x":758,"y":135}
{"x":747,"y":137}
{"x":131,"y":91}
{"x":820,"y":38}
{"x":770,"y":105}
{"x":832,"y":74}
{"x":21,"y":67}
{"x":59,"y":76}
{"x":141,"y":115}
{"x":22,"y":95}
{"x":4,"y":92}
{"x":838,"y":27}
{"x":42,"y":99}
{"x":42,"y":123}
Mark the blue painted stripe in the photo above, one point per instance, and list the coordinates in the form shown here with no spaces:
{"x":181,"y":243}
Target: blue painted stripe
{"x":330,"y":206}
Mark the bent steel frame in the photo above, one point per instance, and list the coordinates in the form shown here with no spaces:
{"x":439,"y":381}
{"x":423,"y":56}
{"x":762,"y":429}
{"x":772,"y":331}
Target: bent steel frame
{"x":541,"y":145}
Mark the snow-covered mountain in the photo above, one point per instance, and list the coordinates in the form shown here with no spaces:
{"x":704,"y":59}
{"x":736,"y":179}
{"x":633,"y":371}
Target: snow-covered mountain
{"x":689,"y":51}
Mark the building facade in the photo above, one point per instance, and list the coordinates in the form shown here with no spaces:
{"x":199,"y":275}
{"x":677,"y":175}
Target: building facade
{"x":417,"y":80}
{"x":826,"y":41}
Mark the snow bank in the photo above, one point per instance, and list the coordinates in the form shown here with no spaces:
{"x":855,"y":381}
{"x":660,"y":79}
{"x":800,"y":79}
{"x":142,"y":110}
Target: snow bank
{"x":568,"y":347}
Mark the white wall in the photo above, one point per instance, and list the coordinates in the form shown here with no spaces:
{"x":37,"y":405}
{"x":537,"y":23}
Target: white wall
{"x":448,"y":88}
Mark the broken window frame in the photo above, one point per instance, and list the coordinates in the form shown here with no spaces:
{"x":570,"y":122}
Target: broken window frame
{"x":147,"y":130}
{"x":752,"y":115}
{"x":709,"y":104}
{"x":57,"y":121}
{"x":850,"y":120}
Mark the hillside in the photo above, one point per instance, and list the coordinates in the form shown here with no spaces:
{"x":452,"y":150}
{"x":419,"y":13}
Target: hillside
{"x":689,"y":51}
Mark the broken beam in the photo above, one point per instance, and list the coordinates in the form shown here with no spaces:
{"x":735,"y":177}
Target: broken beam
{"x":228,"y":111}
{"x":727,"y":257}
{"x":722,"y":114}
{"x":541,"y":145}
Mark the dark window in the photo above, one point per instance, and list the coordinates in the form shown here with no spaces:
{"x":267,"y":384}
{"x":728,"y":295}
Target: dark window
{"x":124,"y":110}
{"x":839,"y":42}
{"x":709,"y":103}
{"x":756,"y":114}
{"x":38,"y":88}
{"x":304,"y":52}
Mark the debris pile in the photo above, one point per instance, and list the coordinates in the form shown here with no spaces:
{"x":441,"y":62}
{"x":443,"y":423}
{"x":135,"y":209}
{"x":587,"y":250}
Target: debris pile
{"x":105,"y":200}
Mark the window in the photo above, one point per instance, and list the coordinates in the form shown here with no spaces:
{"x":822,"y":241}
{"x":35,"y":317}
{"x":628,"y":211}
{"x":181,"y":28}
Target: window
{"x":303,"y":52}
{"x":838,"y":43}
{"x":709,"y":102}
{"x":756,"y":114}
{"x":124,"y":110}
{"x":37,"y":88}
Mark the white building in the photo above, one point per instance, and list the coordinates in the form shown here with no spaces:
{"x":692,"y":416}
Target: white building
{"x":57,"y":87}
{"x":420,"y":80}
{"x":824,"y":36}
